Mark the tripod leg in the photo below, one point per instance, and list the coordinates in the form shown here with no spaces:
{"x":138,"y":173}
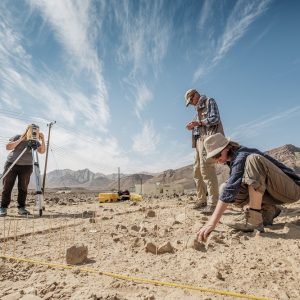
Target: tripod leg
{"x":39,"y":194}
{"x":11,"y":166}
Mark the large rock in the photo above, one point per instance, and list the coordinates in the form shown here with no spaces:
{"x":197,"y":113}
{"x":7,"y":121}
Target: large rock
{"x":150,"y":247}
{"x":76,"y":254}
{"x":166,"y":248}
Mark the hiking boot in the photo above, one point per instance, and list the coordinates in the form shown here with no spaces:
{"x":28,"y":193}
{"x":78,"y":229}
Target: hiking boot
{"x":3,"y":211}
{"x":270,"y":214}
{"x":208,"y":210}
{"x":249,"y":221}
{"x":200,"y":205}
{"x":23,"y":211}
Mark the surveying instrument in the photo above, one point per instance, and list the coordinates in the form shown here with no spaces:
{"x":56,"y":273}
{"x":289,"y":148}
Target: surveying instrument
{"x":32,"y":137}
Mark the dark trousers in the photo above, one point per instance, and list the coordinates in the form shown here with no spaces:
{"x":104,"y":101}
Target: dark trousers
{"x":23,"y":173}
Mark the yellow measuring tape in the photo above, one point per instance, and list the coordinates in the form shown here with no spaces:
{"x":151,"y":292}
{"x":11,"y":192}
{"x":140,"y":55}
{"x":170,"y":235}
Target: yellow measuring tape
{"x":135,"y":279}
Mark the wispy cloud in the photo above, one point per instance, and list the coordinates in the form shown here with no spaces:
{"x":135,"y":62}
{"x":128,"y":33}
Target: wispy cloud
{"x":71,"y":22}
{"x":144,"y":40}
{"x":242,"y":16}
{"x":254,"y":128}
{"x":205,"y":15}
{"x":145,"y":142}
{"x":145,"y":34}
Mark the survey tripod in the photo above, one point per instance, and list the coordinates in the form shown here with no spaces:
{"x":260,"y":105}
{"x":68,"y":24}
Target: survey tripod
{"x":39,"y":199}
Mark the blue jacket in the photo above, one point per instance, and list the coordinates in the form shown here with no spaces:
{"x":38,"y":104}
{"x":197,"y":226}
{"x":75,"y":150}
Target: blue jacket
{"x":237,"y":168}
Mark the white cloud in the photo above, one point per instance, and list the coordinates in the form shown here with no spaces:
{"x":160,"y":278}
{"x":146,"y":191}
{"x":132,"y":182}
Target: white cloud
{"x":206,"y":11}
{"x":145,"y":34}
{"x":145,"y":142}
{"x":72,"y":24}
{"x":242,"y":16}
{"x":254,"y":128}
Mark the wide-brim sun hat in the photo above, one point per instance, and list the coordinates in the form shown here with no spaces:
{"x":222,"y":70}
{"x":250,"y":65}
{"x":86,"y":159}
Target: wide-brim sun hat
{"x":215,"y":143}
{"x":189,"y":94}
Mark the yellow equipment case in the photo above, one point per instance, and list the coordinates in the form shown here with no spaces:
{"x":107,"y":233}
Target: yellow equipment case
{"x":108,"y":197}
{"x":114,"y":197}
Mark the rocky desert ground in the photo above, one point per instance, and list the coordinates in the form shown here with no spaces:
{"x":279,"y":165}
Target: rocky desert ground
{"x":148,"y":240}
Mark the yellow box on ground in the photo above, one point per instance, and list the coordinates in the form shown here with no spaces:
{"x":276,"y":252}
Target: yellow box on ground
{"x":108,"y":197}
{"x":135,"y":197}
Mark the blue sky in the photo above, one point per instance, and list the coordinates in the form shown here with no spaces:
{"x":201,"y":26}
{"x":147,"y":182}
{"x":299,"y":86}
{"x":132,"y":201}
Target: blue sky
{"x":113,"y":74}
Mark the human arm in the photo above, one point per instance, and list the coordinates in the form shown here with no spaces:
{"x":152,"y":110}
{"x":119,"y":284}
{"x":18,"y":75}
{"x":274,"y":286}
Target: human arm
{"x":213,"y":115}
{"x":191,"y":125}
{"x":15,"y":141}
{"x":205,"y":231}
{"x":42,"y":148}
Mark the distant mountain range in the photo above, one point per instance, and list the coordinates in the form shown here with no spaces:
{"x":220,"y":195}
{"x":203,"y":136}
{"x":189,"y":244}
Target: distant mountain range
{"x":288,"y":154}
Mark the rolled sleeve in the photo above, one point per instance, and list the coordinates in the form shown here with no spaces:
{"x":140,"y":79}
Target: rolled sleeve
{"x":213,"y":115}
{"x":234,"y":181}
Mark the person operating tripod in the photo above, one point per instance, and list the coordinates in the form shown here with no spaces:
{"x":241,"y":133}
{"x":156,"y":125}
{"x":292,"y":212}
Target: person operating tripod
{"x":22,"y":161}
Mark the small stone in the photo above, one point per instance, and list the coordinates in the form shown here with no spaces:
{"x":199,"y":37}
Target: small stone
{"x":135,"y":228}
{"x":76,"y":254}
{"x":150,"y":247}
{"x":151,"y":214}
{"x":219,"y":276}
{"x":166,"y":248}
{"x":195,"y":244}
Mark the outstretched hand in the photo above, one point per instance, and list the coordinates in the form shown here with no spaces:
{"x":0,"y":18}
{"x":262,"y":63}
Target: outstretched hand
{"x":204,"y":232}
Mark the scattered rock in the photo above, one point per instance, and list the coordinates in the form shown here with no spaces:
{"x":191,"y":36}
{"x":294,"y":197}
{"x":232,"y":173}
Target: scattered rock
{"x":166,"y":248}
{"x":76,"y":254}
{"x":150,"y":247}
{"x":150,"y":214}
{"x":195,"y":244}
{"x":220,"y":276}
{"x":135,"y":228}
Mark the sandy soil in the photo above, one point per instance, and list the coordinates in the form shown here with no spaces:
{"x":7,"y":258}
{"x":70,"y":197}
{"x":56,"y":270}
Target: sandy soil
{"x":118,"y":235}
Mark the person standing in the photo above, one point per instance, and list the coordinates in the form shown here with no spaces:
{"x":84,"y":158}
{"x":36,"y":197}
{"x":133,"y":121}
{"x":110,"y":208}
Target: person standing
{"x":21,"y":170}
{"x":206,"y":122}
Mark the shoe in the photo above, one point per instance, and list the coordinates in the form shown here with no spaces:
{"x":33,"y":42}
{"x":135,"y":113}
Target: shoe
{"x":270,"y":214}
{"x":23,"y":211}
{"x":3,"y":211}
{"x":200,"y":205}
{"x":248,"y":222}
{"x":208,"y":210}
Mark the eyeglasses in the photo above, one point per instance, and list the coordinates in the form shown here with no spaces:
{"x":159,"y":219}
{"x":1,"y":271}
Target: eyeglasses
{"x":217,"y":156}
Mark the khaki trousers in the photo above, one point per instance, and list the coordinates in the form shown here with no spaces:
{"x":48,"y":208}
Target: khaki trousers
{"x":205,"y":176}
{"x":268,"y":179}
